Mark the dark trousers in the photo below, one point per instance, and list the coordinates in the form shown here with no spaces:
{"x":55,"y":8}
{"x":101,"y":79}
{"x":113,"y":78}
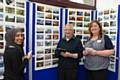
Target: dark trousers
{"x":97,"y":74}
{"x":67,"y":74}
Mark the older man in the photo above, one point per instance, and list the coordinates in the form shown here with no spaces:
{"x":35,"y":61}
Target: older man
{"x":69,"y":51}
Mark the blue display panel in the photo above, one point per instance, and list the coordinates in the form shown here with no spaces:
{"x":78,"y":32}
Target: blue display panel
{"x":47,"y":35}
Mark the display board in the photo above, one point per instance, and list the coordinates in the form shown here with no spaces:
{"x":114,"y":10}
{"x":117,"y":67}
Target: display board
{"x":80,"y":20}
{"x":47,"y":35}
{"x":12,"y":15}
{"x":108,"y":19}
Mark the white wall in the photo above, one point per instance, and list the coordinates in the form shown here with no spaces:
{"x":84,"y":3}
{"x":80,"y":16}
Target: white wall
{"x":106,"y":4}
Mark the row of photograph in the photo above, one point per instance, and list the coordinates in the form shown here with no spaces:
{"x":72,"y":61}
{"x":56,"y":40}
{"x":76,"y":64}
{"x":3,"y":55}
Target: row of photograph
{"x":48,"y":9}
{"x":13,"y":3}
{"x":12,"y":18}
{"x":107,"y":12}
{"x":46,"y":63}
{"x":47,"y":16}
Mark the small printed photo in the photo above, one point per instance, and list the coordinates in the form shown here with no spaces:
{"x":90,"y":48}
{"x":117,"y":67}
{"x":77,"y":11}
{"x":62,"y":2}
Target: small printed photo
{"x":10,"y":18}
{"x":79,"y":24}
{"x":112,"y":17}
{"x":48,"y":43}
{"x":87,"y":14}
{"x":100,"y":19}
{"x":86,"y":32}
{"x":112,"y":59}
{"x":48,"y":37}
{"x":55,"y":36}
{"x":40,"y":22}
{"x":105,"y":31}
{"x":40,"y":8}
{"x":10,"y":10}
{"x":10,"y":2}
{"x":40,"y":15}
{"x":40,"y":30}
{"x":55,"y":43}
{"x":40,"y":43}
{"x":53,"y":56}
{"x":100,"y":13}
{"x":79,"y":13}
{"x":48,"y":9}
{"x":1,"y":36}
{"x":73,"y":23}
{"x":112,"y":66}
{"x":86,"y":38}
{"x":20,"y":12}
{"x":1,"y":28}
{"x":1,"y":8}
{"x":113,"y":11}
{"x":20,"y":4}
{"x":55,"y":62}
{"x":48,"y":16}
{"x":79,"y":36}
{"x":80,"y":18}
{"x":55,"y":17}
{"x":1,"y":45}
{"x":113,"y":24}
{"x":47,"y":62}
{"x":106,"y":24}
{"x":40,"y":52}
{"x":72,"y":18}
{"x":55,"y":31}
{"x":56,"y":10}
{"x":40,"y":36}
{"x":86,"y":24}
{"x":48,"y":31}
{"x":39,"y":64}
{"x":20,"y":20}
{"x":1,"y":17}
{"x":106,"y":17}
{"x":48,"y":56}
{"x":55,"y":23}
{"x":86,"y":19}
{"x":47,"y":50}
{"x":48,"y":22}
{"x":113,"y":31}
{"x":40,"y":57}
{"x":106,"y":12}
{"x":72,"y":13}
{"x":8,"y":27}
{"x":79,"y":31}
{"x":113,"y":38}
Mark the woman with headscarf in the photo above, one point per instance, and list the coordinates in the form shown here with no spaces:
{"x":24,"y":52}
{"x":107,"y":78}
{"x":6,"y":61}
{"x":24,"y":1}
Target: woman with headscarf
{"x":14,"y":58}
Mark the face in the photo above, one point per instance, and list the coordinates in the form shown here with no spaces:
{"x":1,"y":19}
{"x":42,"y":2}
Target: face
{"x":69,"y":31}
{"x":19,"y":38}
{"x":95,"y":28}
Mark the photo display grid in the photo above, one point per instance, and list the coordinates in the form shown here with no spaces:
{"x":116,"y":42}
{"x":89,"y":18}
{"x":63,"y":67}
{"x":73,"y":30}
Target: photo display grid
{"x":47,"y":35}
{"x":12,"y":15}
{"x":108,"y":19}
{"x":80,"y":19}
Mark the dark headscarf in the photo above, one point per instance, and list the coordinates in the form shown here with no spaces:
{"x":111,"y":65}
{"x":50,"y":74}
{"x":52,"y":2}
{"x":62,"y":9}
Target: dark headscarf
{"x":10,"y":36}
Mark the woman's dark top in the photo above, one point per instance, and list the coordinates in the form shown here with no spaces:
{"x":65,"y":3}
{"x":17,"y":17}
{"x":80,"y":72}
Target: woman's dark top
{"x":14,"y":63}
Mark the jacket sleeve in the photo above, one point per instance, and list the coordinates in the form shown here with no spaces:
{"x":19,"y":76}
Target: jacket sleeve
{"x":80,"y":49}
{"x":108,"y":43}
{"x":57,"y":51}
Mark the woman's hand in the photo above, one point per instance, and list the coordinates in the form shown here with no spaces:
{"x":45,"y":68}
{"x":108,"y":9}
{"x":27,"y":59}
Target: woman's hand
{"x":90,"y":51}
